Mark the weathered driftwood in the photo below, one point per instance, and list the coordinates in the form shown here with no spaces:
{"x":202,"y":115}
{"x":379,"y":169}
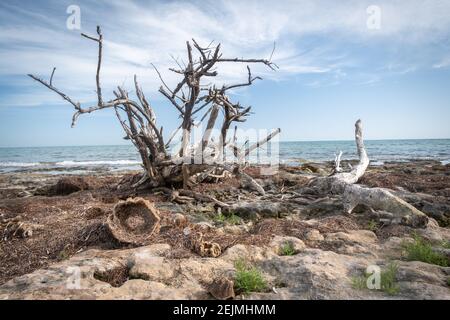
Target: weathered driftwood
{"x":376,"y":198}
{"x":190,"y":96}
{"x":185,"y":196}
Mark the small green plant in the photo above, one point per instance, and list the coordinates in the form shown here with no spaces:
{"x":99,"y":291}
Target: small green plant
{"x":448,"y":281}
{"x":372,"y":225}
{"x":248,"y":278}
{"x":388,"y":279}
{"x":231,"y":219}
{"x":388,"y":282}
{"x":445,"y":244}
{"x":287,"y":249}
{"x":63,"y":255}
{"x":421,"y":250}
{"x":359,"y":282}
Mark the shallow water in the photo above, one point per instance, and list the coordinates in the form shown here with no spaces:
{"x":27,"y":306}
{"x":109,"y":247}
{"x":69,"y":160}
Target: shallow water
{"x":123,"y":157}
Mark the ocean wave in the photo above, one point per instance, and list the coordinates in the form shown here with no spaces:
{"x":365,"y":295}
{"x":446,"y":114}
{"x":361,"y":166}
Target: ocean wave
{"x":19,"y":164}
{"x":70,"y":163}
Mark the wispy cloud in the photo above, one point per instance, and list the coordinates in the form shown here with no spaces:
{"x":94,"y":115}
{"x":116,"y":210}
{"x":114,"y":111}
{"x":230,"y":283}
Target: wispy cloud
{"x":312,"y":37}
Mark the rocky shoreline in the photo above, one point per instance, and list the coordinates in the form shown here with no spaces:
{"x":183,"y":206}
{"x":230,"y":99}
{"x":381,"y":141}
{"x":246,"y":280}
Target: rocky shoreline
{"x":54,"y":225}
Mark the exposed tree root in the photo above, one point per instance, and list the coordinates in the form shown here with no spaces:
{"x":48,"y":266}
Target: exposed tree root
{"x":184,"y":196}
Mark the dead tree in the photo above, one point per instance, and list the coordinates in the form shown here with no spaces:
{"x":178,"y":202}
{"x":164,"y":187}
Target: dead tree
{"x":191,"y":96}
{"x":377,"y":199}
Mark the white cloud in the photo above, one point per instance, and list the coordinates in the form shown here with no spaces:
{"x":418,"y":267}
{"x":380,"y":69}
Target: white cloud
{"x":311,"y":36}
{"x":444,"y":63}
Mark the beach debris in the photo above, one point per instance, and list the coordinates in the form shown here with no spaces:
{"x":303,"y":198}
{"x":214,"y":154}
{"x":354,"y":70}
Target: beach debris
{"x":68,"y":185}
{"x":202,"y":247}
{"x":183,"y":196}
{"x":16,"y":227}
{"x":134,"y":221}
{"x":179,"y":220}
{"x":94,"y":213}
{"x":314,"y":235}
{"x":208,"y":249}
{"x":222,"y":288}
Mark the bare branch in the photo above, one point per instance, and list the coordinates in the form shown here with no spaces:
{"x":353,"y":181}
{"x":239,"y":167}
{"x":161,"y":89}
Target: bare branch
{"x":99,"y":40}
{"x":262,"y":142}
{"x":268,"y":63}
{"x":51,"y":87}
{"x":248,"y":83}
{"x":51,"y":77}
{"x":172,"y":100}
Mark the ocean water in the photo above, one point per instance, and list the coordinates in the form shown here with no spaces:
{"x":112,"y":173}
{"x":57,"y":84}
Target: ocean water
{"x":84,"y":159}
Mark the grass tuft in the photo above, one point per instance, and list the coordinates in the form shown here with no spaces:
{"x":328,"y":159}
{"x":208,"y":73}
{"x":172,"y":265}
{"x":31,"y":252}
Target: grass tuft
{"x":373,"y":225}
{"x":248,"y":278}
{"x":287,"y":249}
{"x":359,"y":282}
{"x":421,"y":250}
{"x":388,"y":281}
{"x":231,"y":219}
{"x":445,"y":244}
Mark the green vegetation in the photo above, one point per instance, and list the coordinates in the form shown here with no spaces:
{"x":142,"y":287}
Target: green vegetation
{"x":388,"y":279}
{"x":445,"y":244}
{"x":229,"y":219}
{"x":287,"y":249}
{"x":421,"y":250}
{"x":63,"y":255}
{"x":372,"y":225}
{"x":248,"y":278}
{"x":448,"y":281}
{"x":359,"y":282}
{"x":388,"y":282}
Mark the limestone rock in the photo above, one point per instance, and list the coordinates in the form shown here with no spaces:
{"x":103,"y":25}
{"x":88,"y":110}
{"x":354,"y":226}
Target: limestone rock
{"x":147,"y":273}
{"x":255,"y":210}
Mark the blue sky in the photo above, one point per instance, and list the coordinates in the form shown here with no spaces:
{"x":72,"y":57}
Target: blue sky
{"x":334,"y":69}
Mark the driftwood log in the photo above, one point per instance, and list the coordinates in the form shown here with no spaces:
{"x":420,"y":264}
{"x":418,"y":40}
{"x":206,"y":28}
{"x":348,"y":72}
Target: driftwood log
{"x":378,"y":199}
{"x":193,"y":95}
